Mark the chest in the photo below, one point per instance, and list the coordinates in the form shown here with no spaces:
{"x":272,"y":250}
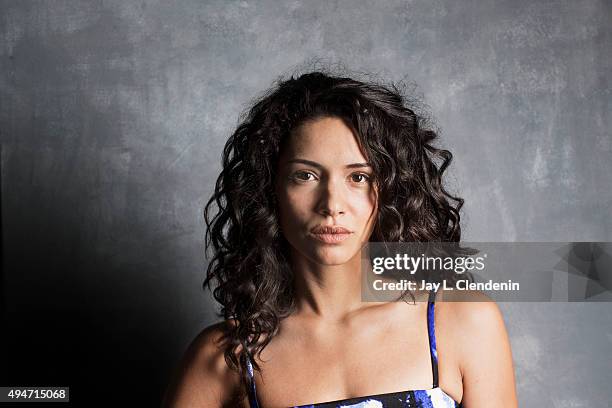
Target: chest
{"x":302,"y":367}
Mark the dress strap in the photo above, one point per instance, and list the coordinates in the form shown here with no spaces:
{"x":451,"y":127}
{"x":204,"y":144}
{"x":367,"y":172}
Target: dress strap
{"x":251,"y":390}
{"x":431,"y":331}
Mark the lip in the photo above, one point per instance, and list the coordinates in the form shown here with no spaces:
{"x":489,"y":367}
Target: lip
{"x":330,"y":234}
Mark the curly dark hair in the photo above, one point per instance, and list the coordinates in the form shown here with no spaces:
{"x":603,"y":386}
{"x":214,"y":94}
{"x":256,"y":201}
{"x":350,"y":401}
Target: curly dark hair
{"x":249,"y":265}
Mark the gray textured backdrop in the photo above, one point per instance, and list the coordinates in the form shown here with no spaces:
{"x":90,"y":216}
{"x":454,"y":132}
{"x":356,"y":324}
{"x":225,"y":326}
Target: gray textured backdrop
{"x":113,"y":115}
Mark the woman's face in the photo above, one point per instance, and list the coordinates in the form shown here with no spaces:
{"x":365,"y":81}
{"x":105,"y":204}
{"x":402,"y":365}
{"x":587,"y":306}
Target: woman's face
{"x":327,"y":202}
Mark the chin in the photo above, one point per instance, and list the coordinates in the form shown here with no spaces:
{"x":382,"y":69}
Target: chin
{"x":333,"y":255}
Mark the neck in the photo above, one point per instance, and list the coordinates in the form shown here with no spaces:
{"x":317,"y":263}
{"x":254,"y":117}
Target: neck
{"x":327,"y":291}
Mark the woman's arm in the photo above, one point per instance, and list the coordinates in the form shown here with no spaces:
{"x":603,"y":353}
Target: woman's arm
{"x":203,"y":378}
{"x":485,"y":357}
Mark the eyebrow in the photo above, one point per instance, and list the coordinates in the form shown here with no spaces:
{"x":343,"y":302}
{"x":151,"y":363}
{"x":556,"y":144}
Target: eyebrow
{"x":315,"y":164}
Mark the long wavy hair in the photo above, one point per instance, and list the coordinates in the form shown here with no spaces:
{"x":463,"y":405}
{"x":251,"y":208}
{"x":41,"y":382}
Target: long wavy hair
{"x":249,"y":267}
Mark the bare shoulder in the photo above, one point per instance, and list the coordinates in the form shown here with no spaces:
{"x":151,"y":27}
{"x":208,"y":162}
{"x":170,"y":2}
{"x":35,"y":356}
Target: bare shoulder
{"x":482,"y":348}
{"x":470,"y":310}
{"x":473,"y":318}
{"x":203,"y":378}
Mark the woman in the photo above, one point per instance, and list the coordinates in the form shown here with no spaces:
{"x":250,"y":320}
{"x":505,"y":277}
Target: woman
{"x":321,"y":166}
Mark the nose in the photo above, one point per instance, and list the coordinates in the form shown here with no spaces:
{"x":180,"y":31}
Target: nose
{"x":331,"y":202}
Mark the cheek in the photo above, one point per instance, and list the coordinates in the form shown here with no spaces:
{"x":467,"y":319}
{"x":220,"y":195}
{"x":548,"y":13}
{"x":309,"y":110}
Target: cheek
{"x":293,"y":208}
{"x":365,"y":208}
{"x":364,"y":205}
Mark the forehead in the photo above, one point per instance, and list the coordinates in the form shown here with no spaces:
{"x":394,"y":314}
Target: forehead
{"x":328,"y":140}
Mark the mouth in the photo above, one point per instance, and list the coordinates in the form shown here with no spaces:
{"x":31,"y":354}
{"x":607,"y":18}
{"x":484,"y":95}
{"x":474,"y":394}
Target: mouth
{"x":332,"y":234}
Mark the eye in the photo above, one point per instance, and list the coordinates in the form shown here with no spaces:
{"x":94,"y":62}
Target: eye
{"x":360,"y":178}
{"x":303,"y":176}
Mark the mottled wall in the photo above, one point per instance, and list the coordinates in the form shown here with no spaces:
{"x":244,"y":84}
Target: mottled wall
{"x":113,"y":115}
